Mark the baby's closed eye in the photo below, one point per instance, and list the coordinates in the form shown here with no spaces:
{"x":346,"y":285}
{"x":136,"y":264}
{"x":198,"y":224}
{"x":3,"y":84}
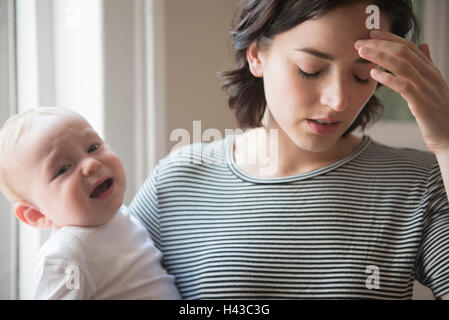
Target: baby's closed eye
{"x":62,"y":170}
{"x":93,"y":147}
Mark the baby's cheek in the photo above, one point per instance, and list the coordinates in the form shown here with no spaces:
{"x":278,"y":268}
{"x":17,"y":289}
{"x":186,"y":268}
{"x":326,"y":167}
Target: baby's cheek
{"x":74,"y":196}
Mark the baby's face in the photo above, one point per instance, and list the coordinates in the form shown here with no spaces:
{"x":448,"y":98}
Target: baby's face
{"x":68,"y":172}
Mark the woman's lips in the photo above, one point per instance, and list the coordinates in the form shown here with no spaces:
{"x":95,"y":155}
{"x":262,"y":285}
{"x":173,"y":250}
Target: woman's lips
{"x":326,"y":128}
{"x":326,"y":120}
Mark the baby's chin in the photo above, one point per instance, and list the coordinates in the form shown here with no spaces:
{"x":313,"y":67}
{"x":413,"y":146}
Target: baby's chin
{"x":99,"y":220}
{"x":100,"y":217}
{"x":113,"y":209}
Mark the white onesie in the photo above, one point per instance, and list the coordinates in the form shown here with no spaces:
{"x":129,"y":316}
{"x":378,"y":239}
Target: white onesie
{"x":117,"y":260}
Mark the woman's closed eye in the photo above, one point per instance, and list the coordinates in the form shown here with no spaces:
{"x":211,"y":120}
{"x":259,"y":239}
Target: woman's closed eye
{"x":361,"y":81}
{"x":309,"y":76}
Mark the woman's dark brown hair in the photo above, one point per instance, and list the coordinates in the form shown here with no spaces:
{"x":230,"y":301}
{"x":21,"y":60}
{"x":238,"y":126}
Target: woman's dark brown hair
{"x":262,"y":20}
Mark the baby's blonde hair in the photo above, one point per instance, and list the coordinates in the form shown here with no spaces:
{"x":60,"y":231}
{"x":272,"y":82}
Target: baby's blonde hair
{"x":10,"y":134}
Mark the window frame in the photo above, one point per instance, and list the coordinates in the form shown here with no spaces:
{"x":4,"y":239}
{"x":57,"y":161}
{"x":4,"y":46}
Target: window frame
{"x":130,"y":90}
{"x":8,"y":225}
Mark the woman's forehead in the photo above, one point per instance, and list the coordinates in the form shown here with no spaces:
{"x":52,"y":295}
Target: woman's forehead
{"x":337,"y":26}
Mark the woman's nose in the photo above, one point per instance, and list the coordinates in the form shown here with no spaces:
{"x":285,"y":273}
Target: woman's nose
{"x":90,"y":166}
{"x":335,"y":95}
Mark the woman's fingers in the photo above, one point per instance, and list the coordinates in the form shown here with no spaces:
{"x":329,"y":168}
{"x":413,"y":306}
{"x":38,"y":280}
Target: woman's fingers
{"x":394,"y":56}
{"x":395,"y":62}
{"x":426,"y":50}
{"x":382,"y":35}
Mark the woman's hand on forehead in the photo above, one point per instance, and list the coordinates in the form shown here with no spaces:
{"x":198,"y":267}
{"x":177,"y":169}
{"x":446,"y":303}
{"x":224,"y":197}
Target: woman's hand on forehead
{"x":413,"y":75}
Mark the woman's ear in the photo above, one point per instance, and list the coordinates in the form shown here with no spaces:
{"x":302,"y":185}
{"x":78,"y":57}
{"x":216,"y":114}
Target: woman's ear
{"x":29,"y":214}
{"x":253,"y":55}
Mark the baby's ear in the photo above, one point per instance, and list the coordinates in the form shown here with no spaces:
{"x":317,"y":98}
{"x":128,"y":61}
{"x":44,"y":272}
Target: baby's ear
{"x":29,"y":214}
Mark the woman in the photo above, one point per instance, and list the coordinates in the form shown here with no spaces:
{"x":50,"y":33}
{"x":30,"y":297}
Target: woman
{"x":336,"y":216}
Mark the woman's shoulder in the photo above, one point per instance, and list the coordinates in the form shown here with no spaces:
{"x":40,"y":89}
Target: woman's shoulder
{"x":197,"y":155}
{"x":378,"y":151}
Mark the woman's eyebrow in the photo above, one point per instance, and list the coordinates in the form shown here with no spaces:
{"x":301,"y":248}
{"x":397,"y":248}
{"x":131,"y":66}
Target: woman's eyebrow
{"x":326,"y":56}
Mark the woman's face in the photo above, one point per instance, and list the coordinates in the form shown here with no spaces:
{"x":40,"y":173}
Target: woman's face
{"x":313,"y":71}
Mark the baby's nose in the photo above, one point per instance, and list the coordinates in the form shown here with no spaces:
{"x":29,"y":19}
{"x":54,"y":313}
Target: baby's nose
{"x":90,"y":166}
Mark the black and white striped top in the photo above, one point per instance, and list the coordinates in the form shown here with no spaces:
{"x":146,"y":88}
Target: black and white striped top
{"x":363,"y":227}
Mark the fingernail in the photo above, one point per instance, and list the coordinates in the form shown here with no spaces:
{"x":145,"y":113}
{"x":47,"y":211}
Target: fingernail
{"x":364,"y":50}
{"x":359,"y":43}
{"x":375,"y":73}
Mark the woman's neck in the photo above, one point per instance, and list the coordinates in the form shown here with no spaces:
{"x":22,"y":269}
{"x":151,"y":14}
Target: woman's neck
{"x":269,"y":152}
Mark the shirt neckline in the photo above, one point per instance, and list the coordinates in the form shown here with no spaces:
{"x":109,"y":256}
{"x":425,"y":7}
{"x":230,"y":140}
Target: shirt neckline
{"x":229,"y":148}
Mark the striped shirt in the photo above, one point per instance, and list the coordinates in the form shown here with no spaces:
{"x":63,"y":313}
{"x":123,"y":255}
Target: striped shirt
{"x":363,"y":227}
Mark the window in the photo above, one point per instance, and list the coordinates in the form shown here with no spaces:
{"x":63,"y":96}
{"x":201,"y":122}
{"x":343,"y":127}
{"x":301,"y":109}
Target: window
{"x":58,"y":63}
{"x":87,"y":55}
{"x":8,"y":223}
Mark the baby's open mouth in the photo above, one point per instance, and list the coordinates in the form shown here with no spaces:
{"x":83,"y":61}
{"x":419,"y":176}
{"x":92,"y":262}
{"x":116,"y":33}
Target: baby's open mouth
{"x":102,"y":188}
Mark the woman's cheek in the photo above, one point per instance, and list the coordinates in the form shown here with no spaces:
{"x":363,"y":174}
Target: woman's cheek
{"x":366,"y":95}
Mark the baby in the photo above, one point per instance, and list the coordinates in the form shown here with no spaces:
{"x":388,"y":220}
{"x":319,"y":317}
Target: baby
{"x":58,"y":173}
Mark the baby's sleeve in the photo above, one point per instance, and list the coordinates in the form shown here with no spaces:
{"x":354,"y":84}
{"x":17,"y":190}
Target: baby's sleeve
{"x":60,"y":272}
{"x":56,"y":281}
{"x":432,"y":263}
{"x":145,"y":207}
